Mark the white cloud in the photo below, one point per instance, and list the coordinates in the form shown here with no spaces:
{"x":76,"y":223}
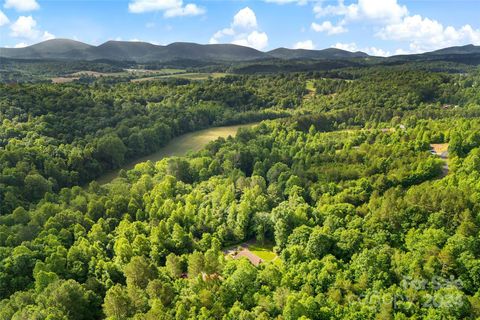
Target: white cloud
{"x":401,"y":52}
{"x":352,"y":47}
{"x":170,"y":8}
{"x":378,"y":52}
{"x":385,"y":10}
{"x":328,"y":27}
{"x":300,"y":2}
{"x":307,"y":44}
{"x":220,"y":34}
{"x":245,"y":18}
{"x":26,"y":27}
{"x":22,"y":5}
{"x":47,"y":36}
{"x":3,"y":19}
{"x":394,"y":22}
{"x":427,"y":34}
{"x":21,"y":45}
{"x":373,"y":10}
{"x":338,"y":10}
{"x":188,"y":10}
{"x":257,"y":40}
{"x":243,"y":31}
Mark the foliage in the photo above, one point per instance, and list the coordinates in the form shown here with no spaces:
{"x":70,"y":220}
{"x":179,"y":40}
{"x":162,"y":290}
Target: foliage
{"x":365,"y":222}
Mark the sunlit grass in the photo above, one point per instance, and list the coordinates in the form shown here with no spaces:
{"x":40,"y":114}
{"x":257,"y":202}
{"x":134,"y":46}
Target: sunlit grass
{"x":265,"y":252}
{"x":310,"y":86}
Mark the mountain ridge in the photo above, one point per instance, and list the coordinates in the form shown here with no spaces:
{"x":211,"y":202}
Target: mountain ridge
{"x":143,"y":52}
{"x":65,"y":49}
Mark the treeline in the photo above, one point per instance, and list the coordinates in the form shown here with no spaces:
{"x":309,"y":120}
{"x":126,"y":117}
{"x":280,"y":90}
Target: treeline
{"x":378,"y":94}
{"x":21,"y":70}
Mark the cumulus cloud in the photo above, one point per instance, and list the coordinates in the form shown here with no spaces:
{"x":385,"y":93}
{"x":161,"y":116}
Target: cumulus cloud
{"x":328,"y":27}
{"x":352,"y":47}
{"x":47,"y":36}
{"x":3,"y":19}
{"x":243,"y":31}
{"x":170,"y":8}
{"x":300,"y":2}
{"x":307,"y":44}
{"x":394,"y":22}
{"x":372,"y":10}
{"x":245,"y":18}
{"x":26,"y":27}
{"x":427,"y":34}
{"x":22,"y":5}
{"x":188,"y":10}
{"x":255,"y":39}
{"x":21,"y":45}
{"x":401,"y":52}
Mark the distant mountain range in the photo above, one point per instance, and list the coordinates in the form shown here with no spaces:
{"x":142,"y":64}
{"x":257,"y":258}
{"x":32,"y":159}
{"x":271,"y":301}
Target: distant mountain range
{"x":141,"y":52}
{"x":146,"y":52}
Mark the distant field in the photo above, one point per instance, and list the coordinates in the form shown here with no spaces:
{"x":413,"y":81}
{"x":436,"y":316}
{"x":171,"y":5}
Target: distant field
{"x":77,"y":75}
{"x":64,"y":79}
{"x":160,"y":71}
{"x":189,"y":76}
{"x":139,"y":74}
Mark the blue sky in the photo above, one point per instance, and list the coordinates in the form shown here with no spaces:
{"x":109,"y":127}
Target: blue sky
{"x":379,"y":27}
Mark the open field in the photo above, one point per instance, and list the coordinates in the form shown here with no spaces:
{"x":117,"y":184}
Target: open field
{"x":188,"y":76}
{"x":189,"y":142}
{"x":139,"y":74}
{"x":265,"y":251}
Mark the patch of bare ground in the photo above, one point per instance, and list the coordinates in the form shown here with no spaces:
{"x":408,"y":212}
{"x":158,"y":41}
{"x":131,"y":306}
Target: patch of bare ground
{"x":64,"y":79}
{"x":242,"y":251}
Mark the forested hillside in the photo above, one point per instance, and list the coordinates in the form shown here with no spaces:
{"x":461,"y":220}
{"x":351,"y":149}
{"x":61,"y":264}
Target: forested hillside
{"x":352,"y":213}
{"x":54,"y":136}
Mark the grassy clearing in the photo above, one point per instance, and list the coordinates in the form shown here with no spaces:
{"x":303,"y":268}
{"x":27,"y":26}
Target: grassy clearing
{"x":179,"y":146}
{"x":310,"y":86}
{"x":188,"y":76}
{"x":141,"y":74}
{"x":265,"y":252}
{"x":196,"y":76}
{"x":163,"y":71}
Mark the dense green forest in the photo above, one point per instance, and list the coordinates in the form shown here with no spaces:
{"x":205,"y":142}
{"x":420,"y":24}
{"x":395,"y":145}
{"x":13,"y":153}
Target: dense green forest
{"x":340,"y":187}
